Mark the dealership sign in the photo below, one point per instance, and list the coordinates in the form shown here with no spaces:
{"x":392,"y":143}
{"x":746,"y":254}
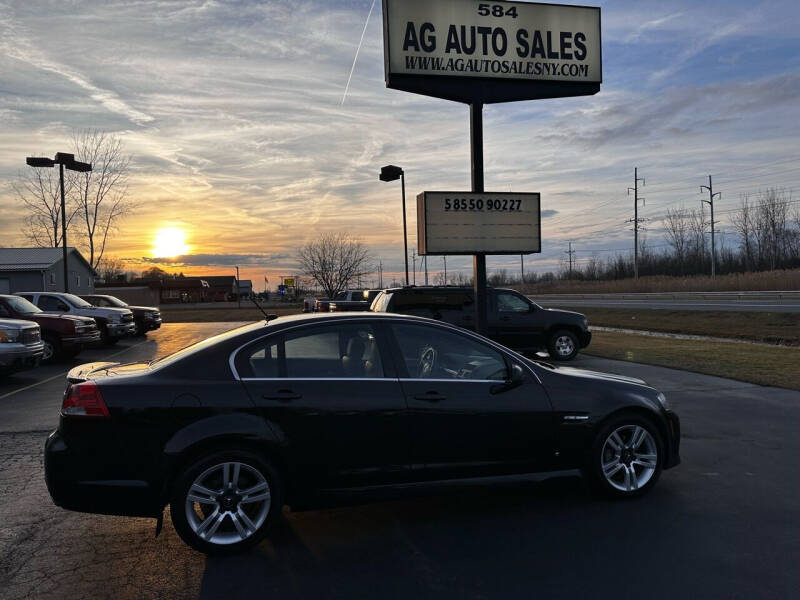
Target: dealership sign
{"x":474,"y":51}
{"x":473,"y":222}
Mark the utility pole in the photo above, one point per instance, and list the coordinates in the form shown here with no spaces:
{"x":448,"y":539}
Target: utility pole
{"x":571,"y":253}
{"x":636,"y":220}
{"x":425,"y":258}
{"x":238,"y":288}
{"x":445,"y":269}
{"x":522,"y":268}
{"x":710,"y":202}
{"x":380,"y":274}
{"x":414,"y":258}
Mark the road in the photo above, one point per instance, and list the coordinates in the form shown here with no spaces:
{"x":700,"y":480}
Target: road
{"x":724,"y":524}
{"x":783,"y":302}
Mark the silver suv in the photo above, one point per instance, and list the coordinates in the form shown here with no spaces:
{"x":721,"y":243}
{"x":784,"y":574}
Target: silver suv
{"x":20,"y":345}
{"x":114,"y":323}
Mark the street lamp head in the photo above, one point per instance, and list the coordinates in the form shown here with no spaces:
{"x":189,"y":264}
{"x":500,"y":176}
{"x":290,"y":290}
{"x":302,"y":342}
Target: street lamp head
{"x":64,"y":158}
{"x":390,"y":173}
{"x":37,"y":161}
{"x":81,"y":167}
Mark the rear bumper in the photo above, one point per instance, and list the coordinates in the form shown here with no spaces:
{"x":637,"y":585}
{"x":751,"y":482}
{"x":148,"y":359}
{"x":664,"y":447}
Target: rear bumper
{"x":73,"y":484}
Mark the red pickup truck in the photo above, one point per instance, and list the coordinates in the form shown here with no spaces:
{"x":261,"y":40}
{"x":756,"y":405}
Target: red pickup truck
{"x":64,"y":336}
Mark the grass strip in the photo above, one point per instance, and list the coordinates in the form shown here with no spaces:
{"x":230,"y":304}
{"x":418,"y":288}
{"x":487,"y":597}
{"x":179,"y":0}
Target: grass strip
{"x":770,"y":328}
{"x":778,"y":366}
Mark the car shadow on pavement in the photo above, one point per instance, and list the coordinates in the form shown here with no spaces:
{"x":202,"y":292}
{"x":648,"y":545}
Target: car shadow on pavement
{"x":474,"y":541}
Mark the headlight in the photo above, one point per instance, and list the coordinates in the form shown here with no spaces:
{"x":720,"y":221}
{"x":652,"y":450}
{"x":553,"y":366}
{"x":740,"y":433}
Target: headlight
{"x":663,"y":400}
{"x":149,"y":315}
{"x":9,"y":336}
{"x":585,"y":323}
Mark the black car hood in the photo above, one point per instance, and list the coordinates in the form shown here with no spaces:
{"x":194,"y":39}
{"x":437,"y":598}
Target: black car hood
{"x":145,"y":308}
{"x":596,"y":375}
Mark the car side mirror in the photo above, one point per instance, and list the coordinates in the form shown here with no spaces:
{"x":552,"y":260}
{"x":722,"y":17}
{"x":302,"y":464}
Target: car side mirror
{"x":516,"y":377}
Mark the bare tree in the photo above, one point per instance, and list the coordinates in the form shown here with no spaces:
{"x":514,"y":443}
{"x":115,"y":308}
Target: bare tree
{"x":39,"y":191}
{"x":111,"y":268}
{"x":743,"y":223}
{"x":102,"y":193}
{"x":676,"y":225}
{"x":334,"y":261}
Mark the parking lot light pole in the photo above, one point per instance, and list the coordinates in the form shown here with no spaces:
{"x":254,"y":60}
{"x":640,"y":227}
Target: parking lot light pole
{"x":62,"y":159}
{"x":393,"y":173}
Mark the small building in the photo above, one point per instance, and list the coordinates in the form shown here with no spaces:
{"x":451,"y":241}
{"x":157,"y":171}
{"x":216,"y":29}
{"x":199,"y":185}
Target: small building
{"x":245,"y":288}
{"x":42,"y":270}
{"x":183,"y":290}
{"x":221,"y":288}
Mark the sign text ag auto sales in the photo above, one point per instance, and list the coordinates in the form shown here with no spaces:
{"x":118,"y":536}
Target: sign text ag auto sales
{"x":507,"y":40}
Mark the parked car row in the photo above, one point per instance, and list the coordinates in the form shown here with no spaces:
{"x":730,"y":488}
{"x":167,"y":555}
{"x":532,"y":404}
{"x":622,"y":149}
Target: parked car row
{"x":40,"y":327}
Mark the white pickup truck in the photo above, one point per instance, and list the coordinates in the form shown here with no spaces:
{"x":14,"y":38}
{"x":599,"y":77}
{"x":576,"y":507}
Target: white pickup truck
{"x":21,"y":345}
{"x":113,"y":323}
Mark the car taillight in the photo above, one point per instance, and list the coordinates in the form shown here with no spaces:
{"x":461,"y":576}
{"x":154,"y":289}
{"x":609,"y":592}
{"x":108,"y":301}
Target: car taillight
{"x":84,"y":400}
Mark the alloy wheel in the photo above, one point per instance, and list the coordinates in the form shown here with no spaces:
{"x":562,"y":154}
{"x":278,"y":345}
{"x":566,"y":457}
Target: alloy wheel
{"x":564,"y":345}
{"x":629,"y":458}
{"x":49,"y":350}
{"x":227,"y":503}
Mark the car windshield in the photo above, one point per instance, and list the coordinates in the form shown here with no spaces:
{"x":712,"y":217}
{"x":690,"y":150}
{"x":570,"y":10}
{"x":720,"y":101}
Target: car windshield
{"x":75,"y":301}
{"x":113,"y":301}
{"x":21,"y":305}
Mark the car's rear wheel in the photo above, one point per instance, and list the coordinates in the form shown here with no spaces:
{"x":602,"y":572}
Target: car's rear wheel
{"x":627,"y":456}
{"x":563,"y":345}
{"x":225,"y":502}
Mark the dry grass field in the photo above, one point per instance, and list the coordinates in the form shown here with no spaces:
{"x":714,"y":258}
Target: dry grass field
{"x":778,"y":366}
{"x":737,"y":282}
{"x":770,"y":328}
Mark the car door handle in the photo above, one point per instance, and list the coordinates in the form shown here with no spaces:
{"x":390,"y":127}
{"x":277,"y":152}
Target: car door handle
{"x":431,"y":397}
{"x":282,"y":396}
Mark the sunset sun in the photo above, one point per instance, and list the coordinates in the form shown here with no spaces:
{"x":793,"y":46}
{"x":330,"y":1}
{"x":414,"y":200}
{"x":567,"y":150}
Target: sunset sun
{"x":170,"y":242}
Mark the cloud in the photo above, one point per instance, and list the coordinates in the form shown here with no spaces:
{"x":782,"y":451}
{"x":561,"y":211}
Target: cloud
{"x":217,"y":260}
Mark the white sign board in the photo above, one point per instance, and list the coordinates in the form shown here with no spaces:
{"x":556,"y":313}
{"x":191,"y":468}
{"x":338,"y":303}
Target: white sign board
{"x":478,"y":223}
{"x":493,"y":40}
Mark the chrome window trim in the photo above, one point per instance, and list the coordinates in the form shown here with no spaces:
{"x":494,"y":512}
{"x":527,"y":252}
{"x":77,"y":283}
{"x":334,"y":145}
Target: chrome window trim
{"x":454,"y":380}
{"x":394,"y":379}
{"x":398,"y":318}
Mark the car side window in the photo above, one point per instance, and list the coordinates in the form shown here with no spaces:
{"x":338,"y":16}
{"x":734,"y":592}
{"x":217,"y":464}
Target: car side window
{"x":51,"y":303}
{"x":335,"y":352}
{"x":441,"y":354}
{"x":507,"y":302}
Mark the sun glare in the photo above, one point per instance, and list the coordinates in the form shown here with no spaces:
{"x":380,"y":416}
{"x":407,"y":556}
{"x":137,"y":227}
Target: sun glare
{"x":170,"y":242}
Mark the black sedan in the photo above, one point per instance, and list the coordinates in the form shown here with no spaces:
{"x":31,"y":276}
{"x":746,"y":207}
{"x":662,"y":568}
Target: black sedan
{"x":230,"y":429}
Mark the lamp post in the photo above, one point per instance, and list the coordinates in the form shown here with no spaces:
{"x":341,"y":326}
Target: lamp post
{"x":62,"y":159}
{"x":393,"y":173}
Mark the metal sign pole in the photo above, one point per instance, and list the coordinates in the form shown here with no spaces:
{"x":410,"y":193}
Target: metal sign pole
{"x":479,"y":260}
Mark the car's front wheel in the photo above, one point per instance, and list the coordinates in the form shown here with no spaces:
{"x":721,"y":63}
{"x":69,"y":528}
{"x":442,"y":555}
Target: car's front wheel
{"x":626,"y":457}
{"x":224,"y":502}
{"x":563,"y":345}
{"x":52,"y":349}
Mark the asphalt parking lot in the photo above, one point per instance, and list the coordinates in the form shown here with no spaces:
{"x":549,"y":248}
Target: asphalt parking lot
{"x":724,"y":524}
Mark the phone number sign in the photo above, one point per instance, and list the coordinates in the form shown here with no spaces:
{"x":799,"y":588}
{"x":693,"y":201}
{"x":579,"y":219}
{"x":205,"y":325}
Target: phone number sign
{"x":479,"y":223}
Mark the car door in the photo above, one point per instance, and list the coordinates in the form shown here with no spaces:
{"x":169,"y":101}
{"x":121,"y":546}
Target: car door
{"x":514,"y":321}
{"x":465,"y":419}
{"x":332,"y":393}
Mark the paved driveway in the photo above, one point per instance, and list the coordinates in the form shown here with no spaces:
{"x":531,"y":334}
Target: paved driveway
{"x":724,"y":524}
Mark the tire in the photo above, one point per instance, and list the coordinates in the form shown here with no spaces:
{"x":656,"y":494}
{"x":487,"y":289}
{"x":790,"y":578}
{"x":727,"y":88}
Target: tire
{"x":216,"y":526}
{"x":563,"y":345}
{"x":52,"y":349}
{"x":626,"y":457}
{"x":140,"y":331}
